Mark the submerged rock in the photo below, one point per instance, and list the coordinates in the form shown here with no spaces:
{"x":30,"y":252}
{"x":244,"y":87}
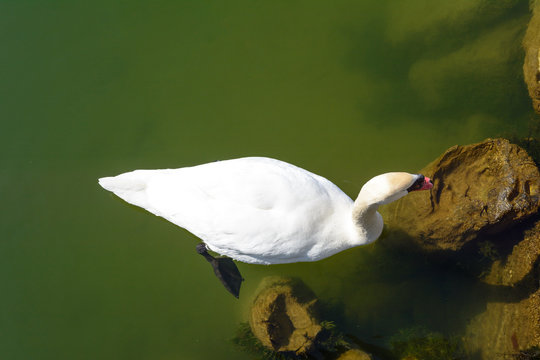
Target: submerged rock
{"x":510,"y":327}
{"x":418,"y":343}
{"x":531,"y":65}
{"x":283,"y":316}
{"x":477,"y":70}
{"x":483,"y":189}
{"x":405,"y":25}
{"x":480,"y":188}
{"x":505,"y":328}
{"x":520,"y":263}
{"x":284,"y":322}
{"x":354,"y":354}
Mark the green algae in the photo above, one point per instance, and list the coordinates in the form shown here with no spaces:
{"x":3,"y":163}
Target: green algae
{"x":422,"y":344}
{"x":330,"y":342}
{"x":532,"y":353}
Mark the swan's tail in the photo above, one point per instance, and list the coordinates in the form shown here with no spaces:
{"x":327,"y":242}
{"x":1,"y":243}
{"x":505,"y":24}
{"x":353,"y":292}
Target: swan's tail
{"x":129,"y":186}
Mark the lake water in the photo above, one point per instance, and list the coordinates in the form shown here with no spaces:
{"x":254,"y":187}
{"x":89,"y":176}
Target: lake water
{"x":346,"y":89}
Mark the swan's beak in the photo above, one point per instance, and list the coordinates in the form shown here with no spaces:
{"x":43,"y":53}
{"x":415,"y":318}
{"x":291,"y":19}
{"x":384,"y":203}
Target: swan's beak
{"x":428,"y":184}
{"x":421,"y":183}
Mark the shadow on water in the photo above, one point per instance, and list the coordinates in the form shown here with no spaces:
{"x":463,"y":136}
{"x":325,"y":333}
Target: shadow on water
{"x":430,"y":75}
{"x":406,"y":288}
{"x":383,"y":291}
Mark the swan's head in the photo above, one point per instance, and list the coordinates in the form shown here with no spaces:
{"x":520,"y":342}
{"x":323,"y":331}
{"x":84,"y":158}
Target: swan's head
{"x":385,"y":188}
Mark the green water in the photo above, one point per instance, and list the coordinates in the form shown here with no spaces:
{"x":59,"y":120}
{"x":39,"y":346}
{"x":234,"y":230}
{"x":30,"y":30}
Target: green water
{"x":346,"y":89}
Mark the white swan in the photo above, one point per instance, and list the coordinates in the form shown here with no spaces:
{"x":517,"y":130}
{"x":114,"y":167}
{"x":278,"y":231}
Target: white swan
{"x":264,"y":211}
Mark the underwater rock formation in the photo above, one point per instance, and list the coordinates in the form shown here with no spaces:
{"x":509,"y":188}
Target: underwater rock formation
{"x":283,"y":316}
{"x":284,"y":323}
{"x":481,"y":190}
{"x":479,"y":69}
{"x":405,"y":25}
{"x":478,"y":189}
{"x":509,"y":327}
{"x":354,"y":354}
{"x":419,"y":343}
{"x":505,"y":328}
{"x":520,"y":263}
{"x":531,"y":64}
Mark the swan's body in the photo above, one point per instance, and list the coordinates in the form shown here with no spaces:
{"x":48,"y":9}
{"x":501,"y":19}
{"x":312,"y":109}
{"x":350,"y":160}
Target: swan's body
{"x":263,"y":211}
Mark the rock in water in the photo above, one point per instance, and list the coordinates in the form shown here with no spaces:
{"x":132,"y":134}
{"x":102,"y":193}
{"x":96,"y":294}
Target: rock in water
{"x":355,"y":354}
{"x":283,"y":316}
{"x":478,"y":188}
{"x":510,"y":327}
{"x":505,"y":328}
{"x":531,"y":65}
{"x":520,"y":263}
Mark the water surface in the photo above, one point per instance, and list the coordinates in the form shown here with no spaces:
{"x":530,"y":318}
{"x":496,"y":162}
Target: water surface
{"x":345,"y":89}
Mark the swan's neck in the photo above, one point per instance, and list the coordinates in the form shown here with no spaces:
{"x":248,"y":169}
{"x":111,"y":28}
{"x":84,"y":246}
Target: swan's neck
{"x":367,"y":220}
{"x":363,"y":212}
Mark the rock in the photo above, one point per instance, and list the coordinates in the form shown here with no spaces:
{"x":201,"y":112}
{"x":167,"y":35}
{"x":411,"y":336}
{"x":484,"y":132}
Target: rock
{"x":354,"y":354}
{"x":505,"y":328}
{"x":283,"y":316}
{"x":480,"y":188}
{"x":520,"y":262}
{"x":531,"y":65}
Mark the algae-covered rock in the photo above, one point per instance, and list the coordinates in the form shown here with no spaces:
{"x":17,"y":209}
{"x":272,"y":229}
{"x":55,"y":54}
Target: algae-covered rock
{"x":283,"y":316}
{"x":354,"y":354}
{"x":511,"y":327}
{"x":480,"y":188}
{"x":505,"y":328}
{"x":520,"y":263}
{"x":531,"y":65}
{"x":418,"y":343}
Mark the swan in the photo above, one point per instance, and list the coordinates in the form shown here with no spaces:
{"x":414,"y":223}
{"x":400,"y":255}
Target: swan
{"x":260,"y":210}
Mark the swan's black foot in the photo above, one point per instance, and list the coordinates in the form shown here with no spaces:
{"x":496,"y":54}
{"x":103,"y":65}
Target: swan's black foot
{"x":225,"y":270}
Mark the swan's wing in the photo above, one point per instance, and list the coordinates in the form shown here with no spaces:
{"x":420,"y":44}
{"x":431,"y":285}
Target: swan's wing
{"x":244,"y":206}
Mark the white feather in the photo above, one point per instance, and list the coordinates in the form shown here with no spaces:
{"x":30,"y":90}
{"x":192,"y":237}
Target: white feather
{"x":255,"y":210}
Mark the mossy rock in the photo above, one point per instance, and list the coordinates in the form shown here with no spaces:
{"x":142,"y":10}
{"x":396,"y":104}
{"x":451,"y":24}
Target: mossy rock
{"x":511,"y":326}
{"x":505,"y":328}
{"x":355,"y":354}
{"x":521,"y":261}
{"x":482,"y":188}
{"x":284,"y":316}
{"x":531,"y":64}
{"x":420,"y":344}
